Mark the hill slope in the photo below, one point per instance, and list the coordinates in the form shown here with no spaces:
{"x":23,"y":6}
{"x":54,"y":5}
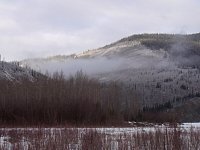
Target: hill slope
{"x":183,"y":50}
{"x":13,"y":72}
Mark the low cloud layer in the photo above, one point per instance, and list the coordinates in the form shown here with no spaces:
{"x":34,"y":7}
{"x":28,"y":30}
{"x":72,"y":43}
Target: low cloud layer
{"x":36,"y":28}
{"x":72,"y":66}
{"x":98,"y":65}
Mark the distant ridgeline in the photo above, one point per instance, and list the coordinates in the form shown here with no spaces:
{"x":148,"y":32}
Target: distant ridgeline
{"x":166,"y":41}
{"x":177,"y":45}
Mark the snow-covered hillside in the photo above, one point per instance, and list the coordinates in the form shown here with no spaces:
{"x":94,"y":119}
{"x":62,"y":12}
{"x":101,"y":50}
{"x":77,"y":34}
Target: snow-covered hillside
{"x":13,"y":72}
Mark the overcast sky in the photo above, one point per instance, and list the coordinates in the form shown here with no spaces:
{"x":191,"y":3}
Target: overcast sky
{"x":41,"y":28}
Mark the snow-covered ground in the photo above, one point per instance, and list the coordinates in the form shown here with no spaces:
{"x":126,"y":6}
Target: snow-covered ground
{"x":13,"y":72}
{"x":25,"y":138}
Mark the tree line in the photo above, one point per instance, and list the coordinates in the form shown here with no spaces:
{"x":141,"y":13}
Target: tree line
{"x":56,"y":100}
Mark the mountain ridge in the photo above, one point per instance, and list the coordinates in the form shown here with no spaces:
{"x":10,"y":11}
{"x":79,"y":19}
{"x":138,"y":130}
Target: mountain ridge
{"x":171,"y":49}
{"x":163,"y":41}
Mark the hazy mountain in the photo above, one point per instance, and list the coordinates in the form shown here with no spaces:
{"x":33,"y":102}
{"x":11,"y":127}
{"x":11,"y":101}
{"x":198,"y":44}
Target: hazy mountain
{"x":160,"y":67}
{"x":137,"y":51}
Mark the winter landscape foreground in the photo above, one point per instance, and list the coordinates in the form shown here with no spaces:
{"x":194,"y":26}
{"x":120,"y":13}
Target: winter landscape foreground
{"x":149,"y":136}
